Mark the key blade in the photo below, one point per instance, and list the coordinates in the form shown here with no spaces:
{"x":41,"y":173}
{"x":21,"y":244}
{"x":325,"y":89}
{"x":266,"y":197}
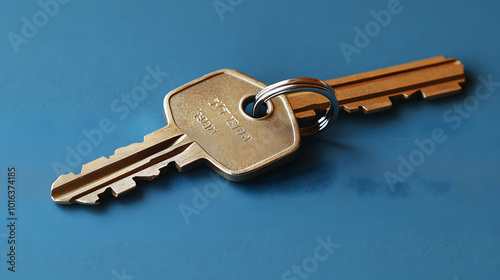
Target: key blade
{"x":371,"y":91}
{"x":119,"y":172}
{"x":207,"y":125}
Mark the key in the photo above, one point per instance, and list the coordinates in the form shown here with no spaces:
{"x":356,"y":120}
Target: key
{"x":206,"y":125}
{"x":372,"y":91}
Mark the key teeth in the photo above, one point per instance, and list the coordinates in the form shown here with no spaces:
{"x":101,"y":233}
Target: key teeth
{"x":88,"y":166}
{"x":120,"y":151}
{"x":129,"y":183}
{"x":88,"y":187}
{"x":431,"y":78}
{"x":90,"y":199}
{"x":116,"y":189}
{"x":127,"y":149}
{"x":383,"y":103}
{"x":102,"y":160}
{"x":148,"y":174}
{"x":122,"y":186}
{"x":441,"y":90}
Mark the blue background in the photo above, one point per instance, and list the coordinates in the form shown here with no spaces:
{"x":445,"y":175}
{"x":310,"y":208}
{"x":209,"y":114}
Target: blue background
{"x":442,"y":222}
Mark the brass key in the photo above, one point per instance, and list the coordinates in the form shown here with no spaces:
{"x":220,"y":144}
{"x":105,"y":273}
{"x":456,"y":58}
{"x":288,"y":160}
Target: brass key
{"x":207,"y":125}
{"x":372,"y":91}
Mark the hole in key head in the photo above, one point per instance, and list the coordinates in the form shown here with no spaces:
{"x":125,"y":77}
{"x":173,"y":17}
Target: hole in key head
{"x":248,"y":108}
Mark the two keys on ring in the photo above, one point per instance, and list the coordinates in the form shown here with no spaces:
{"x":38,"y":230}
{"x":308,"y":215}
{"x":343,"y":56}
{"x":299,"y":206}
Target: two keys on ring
{"x":207,"y":124}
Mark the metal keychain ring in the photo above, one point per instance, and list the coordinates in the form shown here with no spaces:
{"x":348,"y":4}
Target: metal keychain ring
{"x":301,"y":85}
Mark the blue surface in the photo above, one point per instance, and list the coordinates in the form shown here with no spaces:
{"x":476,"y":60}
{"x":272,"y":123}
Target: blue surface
{"x":441,"y":222}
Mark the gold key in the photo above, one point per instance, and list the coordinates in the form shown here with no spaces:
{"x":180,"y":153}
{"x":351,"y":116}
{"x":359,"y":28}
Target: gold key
{"x":207,"y":125}
{"x":372,"y":91}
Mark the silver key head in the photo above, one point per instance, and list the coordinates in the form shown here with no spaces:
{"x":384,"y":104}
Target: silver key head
{"x":211,"y":112}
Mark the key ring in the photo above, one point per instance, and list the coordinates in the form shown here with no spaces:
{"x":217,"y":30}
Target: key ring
{"x":300,"y":85}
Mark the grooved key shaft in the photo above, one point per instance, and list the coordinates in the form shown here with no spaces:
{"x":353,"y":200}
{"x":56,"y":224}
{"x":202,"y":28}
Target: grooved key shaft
{"x":372,"y":91}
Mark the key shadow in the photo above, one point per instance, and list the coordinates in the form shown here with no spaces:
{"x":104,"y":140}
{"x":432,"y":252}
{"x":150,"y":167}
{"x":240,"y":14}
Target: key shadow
{"x":308,"y":172}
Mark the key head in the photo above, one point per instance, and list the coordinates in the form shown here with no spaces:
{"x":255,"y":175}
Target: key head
{"x":210,"y":111}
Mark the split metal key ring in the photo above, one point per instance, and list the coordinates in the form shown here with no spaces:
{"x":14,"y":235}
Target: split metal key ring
{"x":301,"y":85}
